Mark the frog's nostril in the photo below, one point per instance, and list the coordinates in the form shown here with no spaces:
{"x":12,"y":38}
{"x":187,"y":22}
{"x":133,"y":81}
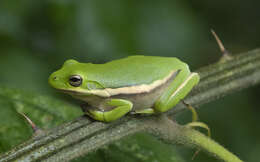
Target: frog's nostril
{"x":55,"y":78}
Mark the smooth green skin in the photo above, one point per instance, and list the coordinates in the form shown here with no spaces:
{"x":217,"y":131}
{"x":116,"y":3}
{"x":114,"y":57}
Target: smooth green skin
{"x":126,"y":72}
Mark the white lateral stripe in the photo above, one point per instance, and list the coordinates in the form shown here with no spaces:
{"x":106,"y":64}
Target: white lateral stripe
{"x":183,"y":84}
{"x":143,"y":88}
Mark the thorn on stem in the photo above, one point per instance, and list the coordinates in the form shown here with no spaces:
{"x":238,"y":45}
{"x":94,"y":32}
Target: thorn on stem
{"x":34,"y":127}
{"x":225,"y":54}
{"x":220,"y":44}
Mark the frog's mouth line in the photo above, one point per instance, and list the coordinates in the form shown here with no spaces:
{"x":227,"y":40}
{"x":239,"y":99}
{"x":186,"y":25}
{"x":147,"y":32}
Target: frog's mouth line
{"x":102,"y":93}
{"x":74,"y":92}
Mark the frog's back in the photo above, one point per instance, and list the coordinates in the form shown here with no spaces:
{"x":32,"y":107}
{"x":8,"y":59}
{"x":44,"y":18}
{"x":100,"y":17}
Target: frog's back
{"x":134,"y":70}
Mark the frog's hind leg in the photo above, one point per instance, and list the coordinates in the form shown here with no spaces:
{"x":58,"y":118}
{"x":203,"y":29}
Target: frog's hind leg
{"x":178,"y":89}
{"x":122,"y":107}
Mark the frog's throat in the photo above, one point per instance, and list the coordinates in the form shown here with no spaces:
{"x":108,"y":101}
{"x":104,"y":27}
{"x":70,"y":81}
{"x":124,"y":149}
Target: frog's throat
{"x":137,"y":89}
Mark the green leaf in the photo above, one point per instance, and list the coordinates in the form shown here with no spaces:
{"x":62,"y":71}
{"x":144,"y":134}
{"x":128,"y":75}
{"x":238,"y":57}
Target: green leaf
{"x":44,"y":111}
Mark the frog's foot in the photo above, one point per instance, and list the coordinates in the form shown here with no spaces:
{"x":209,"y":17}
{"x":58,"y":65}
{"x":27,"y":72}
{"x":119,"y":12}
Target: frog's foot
{"x":121,"y":107}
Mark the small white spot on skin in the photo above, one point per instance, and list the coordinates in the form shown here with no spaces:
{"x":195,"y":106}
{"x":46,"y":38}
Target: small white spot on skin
{"x":143,"y":88}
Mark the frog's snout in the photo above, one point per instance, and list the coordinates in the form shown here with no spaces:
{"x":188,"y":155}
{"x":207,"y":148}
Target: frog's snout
{"x":52,"y":79}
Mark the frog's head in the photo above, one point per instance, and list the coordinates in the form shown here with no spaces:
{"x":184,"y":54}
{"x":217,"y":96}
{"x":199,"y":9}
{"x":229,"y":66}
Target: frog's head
{"x":72,"y":79}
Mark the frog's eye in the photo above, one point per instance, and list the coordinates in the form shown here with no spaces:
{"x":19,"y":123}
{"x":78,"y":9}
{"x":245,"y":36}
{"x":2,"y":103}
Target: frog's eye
{"x":75,"y":80}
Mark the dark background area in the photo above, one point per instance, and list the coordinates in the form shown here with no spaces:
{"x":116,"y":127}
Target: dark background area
{"x":36,"y":37}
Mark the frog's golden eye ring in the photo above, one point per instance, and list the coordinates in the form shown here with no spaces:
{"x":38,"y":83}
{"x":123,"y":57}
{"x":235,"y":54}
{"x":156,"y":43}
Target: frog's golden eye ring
{"x":75,"y":80}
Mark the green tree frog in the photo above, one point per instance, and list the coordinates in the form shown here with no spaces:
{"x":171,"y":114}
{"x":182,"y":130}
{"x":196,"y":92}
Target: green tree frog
{"x":136,"y":84}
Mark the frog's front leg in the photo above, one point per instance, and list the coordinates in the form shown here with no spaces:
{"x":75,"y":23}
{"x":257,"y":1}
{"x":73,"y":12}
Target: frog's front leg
{"x":178,"y":89}
{"x":121,"y":107}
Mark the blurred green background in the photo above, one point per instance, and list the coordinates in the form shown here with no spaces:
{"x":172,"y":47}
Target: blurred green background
{"x":36,"y":37}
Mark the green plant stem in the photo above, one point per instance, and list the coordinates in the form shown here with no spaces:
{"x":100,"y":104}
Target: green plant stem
{"x":207,"y":144}
{"x":82,"y":136}
{"x":171,"y":132}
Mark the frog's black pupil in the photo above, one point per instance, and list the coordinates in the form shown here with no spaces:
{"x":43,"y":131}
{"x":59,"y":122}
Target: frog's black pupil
{"x":74,"y":79}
